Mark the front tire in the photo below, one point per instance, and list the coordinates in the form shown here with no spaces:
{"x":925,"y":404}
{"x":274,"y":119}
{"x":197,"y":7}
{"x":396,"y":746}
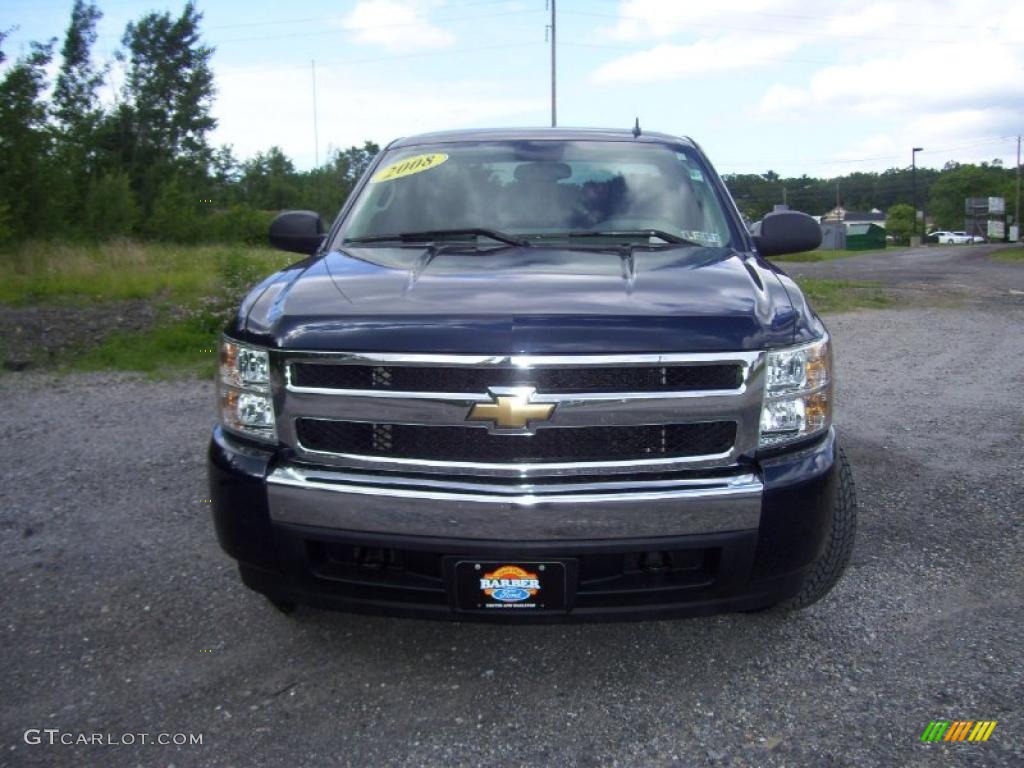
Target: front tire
{"x":826,"y":571}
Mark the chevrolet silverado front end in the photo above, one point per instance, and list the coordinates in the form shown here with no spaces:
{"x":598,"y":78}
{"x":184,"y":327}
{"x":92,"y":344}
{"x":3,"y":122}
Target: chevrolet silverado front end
{"x":533,"y":375}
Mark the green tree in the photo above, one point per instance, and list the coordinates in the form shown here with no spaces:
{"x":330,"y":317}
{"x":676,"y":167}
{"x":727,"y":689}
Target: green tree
{"x":75,"y":105}
{"x":269,"y":181}
{"x":168,"y":94}
{"x":110,"y":207}
{"x":224,"y":175}
{"x":958,"y":182}
{"x":6,"y":228}
{"x":76,"y":109}
{"x":899,"y":221}
{"x":326,"y":188}
{"x":175,"y":214}
{"x":25,"y":142}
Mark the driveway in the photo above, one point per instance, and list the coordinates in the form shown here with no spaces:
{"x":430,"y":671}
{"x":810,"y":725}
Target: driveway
{"x":952,"y":270}
{"x":122,"y":617}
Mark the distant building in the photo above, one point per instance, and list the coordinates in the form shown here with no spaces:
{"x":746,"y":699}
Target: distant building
{"x":874,"y":216}
{"x":864,"y":236}
{"x":833,"y":236}
{"x":852,"y":230}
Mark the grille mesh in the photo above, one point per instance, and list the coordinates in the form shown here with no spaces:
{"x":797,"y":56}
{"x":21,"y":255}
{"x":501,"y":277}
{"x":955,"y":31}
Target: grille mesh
{"x":674,"y":378}
{"x":470,"y":444}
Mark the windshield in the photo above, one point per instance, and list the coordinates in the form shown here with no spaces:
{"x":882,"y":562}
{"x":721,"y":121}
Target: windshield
{"x":541,"y":190}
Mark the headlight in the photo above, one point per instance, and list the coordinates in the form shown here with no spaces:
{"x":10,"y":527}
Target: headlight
{"x":798,"y":393}
{"x":243,"y":391}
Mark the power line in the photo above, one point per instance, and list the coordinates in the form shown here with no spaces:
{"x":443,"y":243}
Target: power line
{"x":825,"y":18}
{"x":634,"y":49}
{"x":331,"y":30}
{"x":759,"y":30}
{"x":398,"y":57}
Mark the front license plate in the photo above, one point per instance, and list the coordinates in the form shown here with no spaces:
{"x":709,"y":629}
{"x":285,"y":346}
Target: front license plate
{"x":521,"y":585}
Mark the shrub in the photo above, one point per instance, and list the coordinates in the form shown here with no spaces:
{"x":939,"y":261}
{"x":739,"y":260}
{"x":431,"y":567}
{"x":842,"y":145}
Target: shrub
{"x":110,"y":207}
{"x":239,"y":224}
{"x":175,"y":214}
{"x":6,"y":230}
{"x":900,"y":222}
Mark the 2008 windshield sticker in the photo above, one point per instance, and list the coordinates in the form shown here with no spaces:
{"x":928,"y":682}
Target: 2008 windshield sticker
{"x":409,"y":166}
{"x":710,"y":239}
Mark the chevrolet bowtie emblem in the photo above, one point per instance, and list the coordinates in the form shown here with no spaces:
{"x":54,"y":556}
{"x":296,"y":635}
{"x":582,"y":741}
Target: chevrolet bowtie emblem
{"x":511,"y":411}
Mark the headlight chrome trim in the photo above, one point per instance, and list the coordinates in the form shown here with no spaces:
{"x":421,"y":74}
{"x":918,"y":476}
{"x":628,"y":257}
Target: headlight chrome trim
{"x":245,"y":405}
{"x":798,"y":393}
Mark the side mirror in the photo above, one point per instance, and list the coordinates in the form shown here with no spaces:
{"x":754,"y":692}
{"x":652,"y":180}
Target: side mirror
{"x":786,"y":232}
{"x":297,"y":231}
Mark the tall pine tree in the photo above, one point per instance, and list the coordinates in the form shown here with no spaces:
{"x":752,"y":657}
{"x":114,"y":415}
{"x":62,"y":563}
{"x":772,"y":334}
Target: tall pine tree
{"x":25,"y":144}
{"x":168,"y":98}
{"x":77,"y":112}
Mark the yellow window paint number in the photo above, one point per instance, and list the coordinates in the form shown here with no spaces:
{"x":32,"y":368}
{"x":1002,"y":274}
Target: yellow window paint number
{"x":409,"y":166}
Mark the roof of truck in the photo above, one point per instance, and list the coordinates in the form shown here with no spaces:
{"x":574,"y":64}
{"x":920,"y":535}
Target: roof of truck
{"x":538,"y":134}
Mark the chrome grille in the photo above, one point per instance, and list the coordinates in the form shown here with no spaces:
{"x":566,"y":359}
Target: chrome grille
{"x":654,"y":378}
{"x":612,"y":413}
{"x":468,"y":444}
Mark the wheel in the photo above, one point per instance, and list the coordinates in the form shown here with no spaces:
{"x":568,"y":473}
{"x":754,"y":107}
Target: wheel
{"x":287,"y":607}
{"x":830,"y":565}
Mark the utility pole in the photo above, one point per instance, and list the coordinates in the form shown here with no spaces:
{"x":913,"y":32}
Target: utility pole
{"x":839,"y":223}
{"x":316,"y":129}
{"x":913,"y":184}
{"x":1016,"y":215}
{"x":554,"y":113}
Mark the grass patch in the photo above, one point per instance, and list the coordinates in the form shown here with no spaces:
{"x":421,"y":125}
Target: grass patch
{"x":193,"y":290}
{"x":38,"y":272}
{"x":1012,"y":255}
{"x":827,"y":254}
{"x":184,"y":346}
{"x":843,"y":295}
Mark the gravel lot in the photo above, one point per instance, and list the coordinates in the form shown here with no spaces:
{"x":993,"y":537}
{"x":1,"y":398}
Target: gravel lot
{"x":123,"y":616}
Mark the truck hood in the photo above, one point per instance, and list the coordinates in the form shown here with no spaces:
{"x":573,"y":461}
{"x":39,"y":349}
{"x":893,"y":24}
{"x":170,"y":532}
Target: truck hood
{"x":513,"y":300}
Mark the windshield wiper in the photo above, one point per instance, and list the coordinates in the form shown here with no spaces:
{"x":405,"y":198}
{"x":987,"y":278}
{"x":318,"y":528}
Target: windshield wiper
{"x":434,"y":234}
{"x":661,"y":234}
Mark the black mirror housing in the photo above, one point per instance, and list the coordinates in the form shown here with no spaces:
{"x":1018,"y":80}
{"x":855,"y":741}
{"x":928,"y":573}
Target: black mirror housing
{"x":298,"y":232}
{"x":783,"y":232}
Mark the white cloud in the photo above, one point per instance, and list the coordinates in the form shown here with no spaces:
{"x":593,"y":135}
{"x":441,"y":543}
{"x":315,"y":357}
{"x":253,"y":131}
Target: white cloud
{"x":395,"y":25}
{"x":678,"y":62}
{"x":941,"y":77}
{"x":781,"y":100}
{"x":352,"y":111}
{"x":643,"y":20}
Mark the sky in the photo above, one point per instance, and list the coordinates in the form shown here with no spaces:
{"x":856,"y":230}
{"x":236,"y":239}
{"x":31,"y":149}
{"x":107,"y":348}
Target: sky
{"x":792,"y":86}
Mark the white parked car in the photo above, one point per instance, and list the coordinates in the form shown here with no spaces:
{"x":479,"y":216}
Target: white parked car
{"x":951,"y":238}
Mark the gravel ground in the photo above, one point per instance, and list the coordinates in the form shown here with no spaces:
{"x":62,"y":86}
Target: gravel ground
{"x":36,"y":335}
{"x":123,"y":616}
{"x":929,"y":274}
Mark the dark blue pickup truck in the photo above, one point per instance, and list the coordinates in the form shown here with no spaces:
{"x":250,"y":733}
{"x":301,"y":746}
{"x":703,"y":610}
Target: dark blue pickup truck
{"x":533,"y":375}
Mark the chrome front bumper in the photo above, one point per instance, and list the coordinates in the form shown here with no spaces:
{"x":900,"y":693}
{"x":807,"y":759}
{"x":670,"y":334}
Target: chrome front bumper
{"x":374,"y":503}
